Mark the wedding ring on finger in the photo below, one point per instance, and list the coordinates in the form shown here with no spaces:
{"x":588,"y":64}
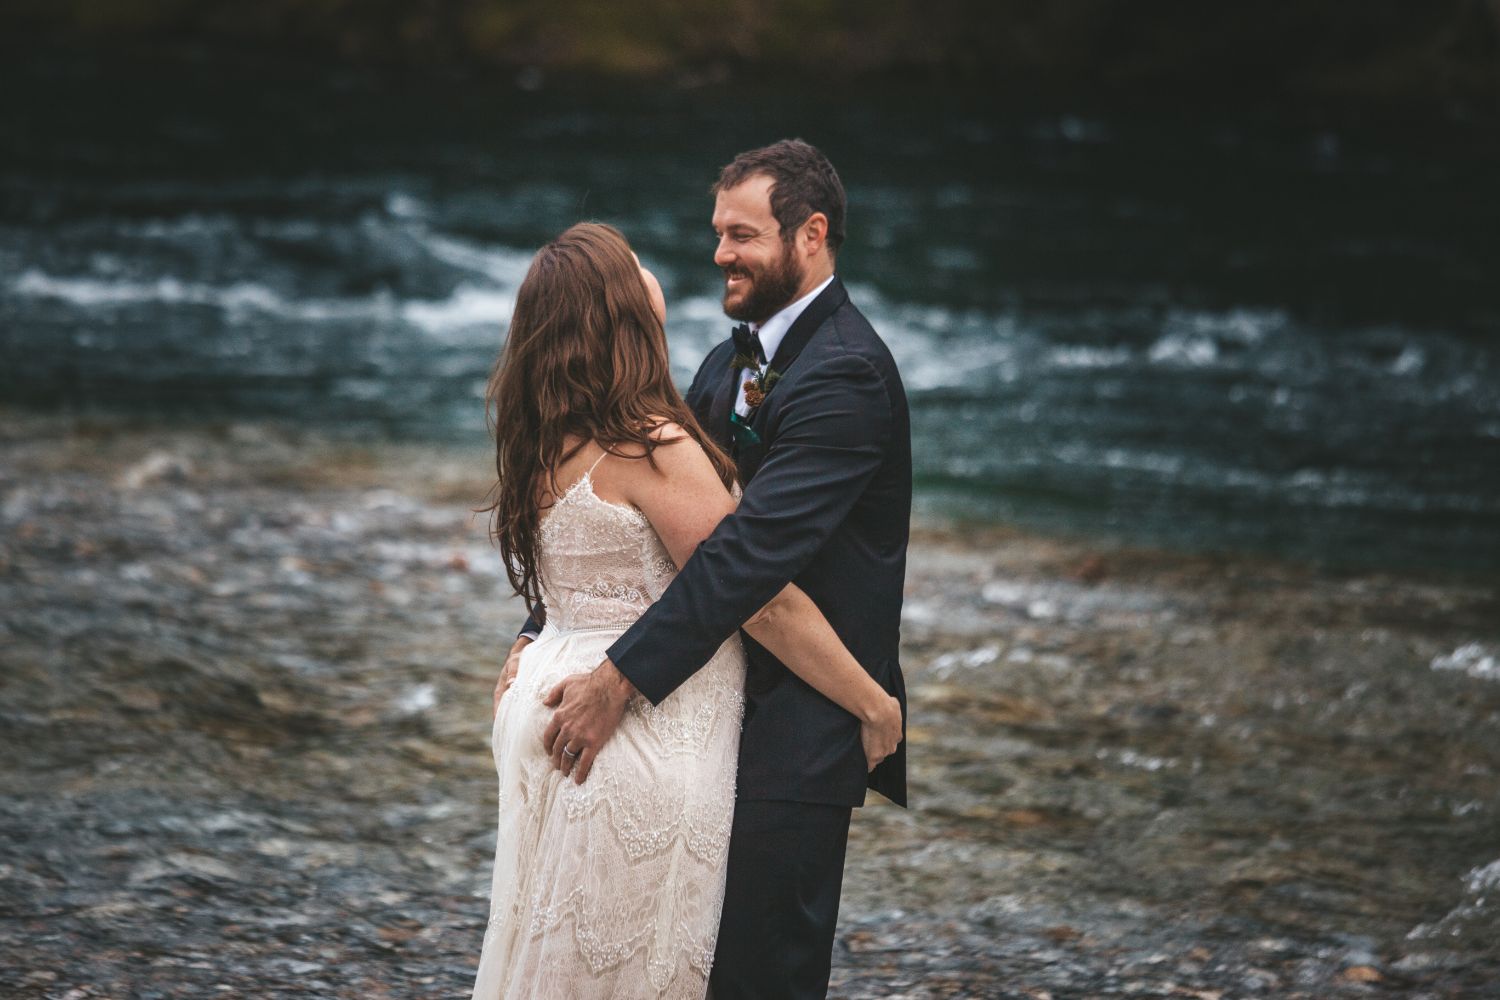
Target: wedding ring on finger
{"x":570,"y":754}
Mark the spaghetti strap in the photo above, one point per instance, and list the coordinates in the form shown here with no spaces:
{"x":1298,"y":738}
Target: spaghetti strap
{"x":596,"y":463}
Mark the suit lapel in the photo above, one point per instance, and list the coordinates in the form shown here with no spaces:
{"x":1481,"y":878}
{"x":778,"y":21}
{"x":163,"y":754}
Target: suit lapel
{"x":797,"y":337}
{"x":818,"y":310}
{"x":807,"y":324}
{"x":718,"y":410}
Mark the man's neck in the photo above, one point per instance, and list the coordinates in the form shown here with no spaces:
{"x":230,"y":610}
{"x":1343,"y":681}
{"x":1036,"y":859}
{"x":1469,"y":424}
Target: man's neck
{"x":810,"y":283}
{"x":814,"y":277}
{"x":775,"y":328}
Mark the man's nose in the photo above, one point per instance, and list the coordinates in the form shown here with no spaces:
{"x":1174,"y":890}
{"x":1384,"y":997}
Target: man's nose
{"x":722,"y":255}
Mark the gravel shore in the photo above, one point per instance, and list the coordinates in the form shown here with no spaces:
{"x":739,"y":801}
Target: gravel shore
{"x":245,"y":680}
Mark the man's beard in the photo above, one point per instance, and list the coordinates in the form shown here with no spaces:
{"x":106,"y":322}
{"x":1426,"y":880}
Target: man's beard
{"x":770,"y":289}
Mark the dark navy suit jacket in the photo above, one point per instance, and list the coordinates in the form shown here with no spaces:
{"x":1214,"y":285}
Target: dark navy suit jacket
{"x":827,"y":505}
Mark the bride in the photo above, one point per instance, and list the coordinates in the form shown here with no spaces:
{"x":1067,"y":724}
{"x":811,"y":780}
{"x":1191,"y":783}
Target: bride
{"x":612,"y":886}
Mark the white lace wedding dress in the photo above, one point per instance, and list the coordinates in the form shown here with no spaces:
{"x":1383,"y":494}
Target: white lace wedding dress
{"x":611,"y":888}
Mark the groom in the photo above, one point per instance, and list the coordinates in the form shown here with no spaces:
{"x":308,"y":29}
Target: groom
{"x":807,"y":399}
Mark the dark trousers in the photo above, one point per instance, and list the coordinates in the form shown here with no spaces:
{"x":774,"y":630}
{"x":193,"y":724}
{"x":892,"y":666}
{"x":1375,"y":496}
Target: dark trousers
{"x":781,"y":901}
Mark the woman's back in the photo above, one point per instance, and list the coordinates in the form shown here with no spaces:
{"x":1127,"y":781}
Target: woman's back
{"x":601,"y":563}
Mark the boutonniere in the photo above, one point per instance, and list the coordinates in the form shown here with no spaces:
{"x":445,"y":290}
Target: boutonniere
{"x":759,"y":382}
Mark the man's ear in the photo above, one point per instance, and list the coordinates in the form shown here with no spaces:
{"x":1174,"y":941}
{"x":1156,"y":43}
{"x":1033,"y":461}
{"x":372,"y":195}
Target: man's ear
{"x":814,"y":233}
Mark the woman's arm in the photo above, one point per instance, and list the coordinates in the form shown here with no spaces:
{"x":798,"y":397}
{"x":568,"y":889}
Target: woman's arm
{"x":684,"y":501}
{"x":833,"y":434}
{"x":798,"y":635}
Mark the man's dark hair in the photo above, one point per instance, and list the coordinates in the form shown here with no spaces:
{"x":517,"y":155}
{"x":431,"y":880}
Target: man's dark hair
{"x":803,"y":182}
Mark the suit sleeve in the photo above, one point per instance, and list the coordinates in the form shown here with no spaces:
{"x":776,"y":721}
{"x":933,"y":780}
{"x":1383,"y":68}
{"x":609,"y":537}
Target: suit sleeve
{"x":696,"y":387}
{"x":830,"y":440}
{"x":534,"y":622}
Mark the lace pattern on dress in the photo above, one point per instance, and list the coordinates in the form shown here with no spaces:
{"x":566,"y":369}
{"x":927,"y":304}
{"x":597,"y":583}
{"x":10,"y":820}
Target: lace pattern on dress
{"x":611,"y":888}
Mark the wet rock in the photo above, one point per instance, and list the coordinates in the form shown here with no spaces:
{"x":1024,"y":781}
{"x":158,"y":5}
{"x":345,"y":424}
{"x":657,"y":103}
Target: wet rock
{"x":157,"y":467}
{"x":183,"y":864}
{"x":1471,"y":658}
{"x":1091,"y":570}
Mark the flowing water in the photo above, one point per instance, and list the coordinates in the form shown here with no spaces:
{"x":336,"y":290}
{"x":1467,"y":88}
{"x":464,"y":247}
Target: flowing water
{"x":1219,"y":330}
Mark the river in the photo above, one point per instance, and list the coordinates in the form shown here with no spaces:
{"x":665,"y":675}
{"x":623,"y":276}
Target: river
{"x":1217,"y":330}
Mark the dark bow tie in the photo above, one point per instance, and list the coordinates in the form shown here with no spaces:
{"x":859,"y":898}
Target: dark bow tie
{"x":747,"y":342}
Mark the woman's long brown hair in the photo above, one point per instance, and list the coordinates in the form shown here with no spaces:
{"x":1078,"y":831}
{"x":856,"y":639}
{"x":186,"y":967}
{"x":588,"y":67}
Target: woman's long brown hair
{"x":586,"y":358}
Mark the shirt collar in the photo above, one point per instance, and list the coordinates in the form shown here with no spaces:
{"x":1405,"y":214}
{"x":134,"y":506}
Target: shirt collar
{"x":774,"y":330}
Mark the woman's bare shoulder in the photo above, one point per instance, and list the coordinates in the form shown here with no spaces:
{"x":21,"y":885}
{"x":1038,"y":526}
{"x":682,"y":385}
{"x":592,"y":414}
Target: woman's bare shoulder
{"x":665,"y":435}
{"x":678,"y":490}
{"x":677,"y":461}
{"x":669,"y":431}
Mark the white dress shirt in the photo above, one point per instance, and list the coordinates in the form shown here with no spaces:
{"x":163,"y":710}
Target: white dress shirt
{"x":772,"y":332}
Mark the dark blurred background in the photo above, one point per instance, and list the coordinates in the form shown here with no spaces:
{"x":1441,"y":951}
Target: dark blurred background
{"x":1387,"y":50}
{"x":1205,"y":275}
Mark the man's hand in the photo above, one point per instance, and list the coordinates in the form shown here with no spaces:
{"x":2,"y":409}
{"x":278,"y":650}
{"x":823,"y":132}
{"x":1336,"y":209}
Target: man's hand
{"x":589,"y":708}
{"x":882,"y":733}
{"x":508,"y":673}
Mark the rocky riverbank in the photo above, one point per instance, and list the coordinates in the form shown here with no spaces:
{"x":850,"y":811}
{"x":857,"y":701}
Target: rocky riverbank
{"x":244,"y":699}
